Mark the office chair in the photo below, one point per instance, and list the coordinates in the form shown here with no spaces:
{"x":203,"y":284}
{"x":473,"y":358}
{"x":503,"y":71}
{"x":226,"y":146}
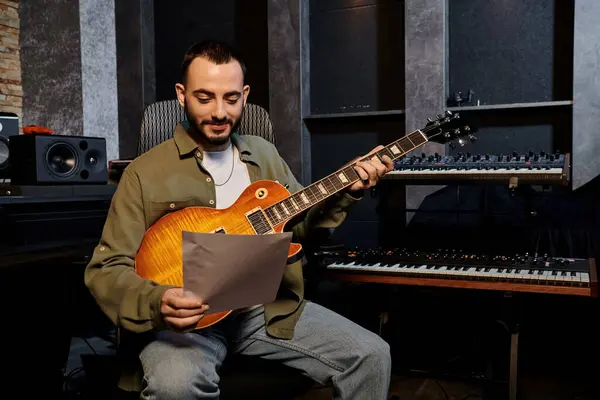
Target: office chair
{"x":160,"y":119}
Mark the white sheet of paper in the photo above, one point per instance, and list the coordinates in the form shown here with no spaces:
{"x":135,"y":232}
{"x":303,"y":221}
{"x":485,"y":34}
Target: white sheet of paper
{"x":230,"y":271}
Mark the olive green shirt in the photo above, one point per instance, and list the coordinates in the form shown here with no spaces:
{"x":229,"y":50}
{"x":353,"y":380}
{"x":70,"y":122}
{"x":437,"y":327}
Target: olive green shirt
{"x":170,"y":177}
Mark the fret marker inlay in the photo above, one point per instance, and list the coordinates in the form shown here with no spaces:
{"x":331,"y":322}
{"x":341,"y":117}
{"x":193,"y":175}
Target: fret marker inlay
{"x":304,"y":198}
{"x":294,"y":203}
{"x":395,"y":149}
{"x":343,"y":178}
{"x":322,"y":188}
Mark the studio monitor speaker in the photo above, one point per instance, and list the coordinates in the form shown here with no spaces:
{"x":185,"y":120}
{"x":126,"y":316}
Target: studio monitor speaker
{"x":9,"y":126}
{"x":38,"y":159}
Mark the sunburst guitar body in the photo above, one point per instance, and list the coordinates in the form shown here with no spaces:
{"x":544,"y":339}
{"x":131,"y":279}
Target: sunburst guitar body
{"x":160,"y":257}
{"x":264,"y":207}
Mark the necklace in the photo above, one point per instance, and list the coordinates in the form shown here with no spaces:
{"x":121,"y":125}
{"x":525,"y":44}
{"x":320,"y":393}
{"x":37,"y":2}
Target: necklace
{"x":230,"y":172}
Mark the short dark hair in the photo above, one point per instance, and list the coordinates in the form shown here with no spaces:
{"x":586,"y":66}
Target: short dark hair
{"x":215,"y":51}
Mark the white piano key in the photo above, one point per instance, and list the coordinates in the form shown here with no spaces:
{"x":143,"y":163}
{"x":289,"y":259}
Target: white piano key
{"x":585,"y":278}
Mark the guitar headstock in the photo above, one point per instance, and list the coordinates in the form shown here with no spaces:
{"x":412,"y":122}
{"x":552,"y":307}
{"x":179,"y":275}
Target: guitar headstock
{"x":447,"y":128}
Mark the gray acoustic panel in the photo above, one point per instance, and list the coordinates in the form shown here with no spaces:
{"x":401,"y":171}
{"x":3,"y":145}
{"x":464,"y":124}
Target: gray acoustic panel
{"x":586,"y":88}
{"x":424,"y":74}
{"x":99,"y":73}
{"x":51,"y":65}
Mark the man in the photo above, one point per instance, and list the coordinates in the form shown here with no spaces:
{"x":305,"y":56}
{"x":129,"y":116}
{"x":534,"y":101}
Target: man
{"x":208,"y":164}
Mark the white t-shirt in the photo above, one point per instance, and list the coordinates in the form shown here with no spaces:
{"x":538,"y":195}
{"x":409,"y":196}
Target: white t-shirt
{"x":229,"y":184}
{"x":219,"y":165}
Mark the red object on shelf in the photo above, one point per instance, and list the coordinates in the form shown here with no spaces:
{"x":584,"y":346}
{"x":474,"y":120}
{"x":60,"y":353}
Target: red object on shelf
{"x":31,"y":129}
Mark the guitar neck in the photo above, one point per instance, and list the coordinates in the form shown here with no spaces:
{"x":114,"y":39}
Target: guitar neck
{"x":341,"y":179}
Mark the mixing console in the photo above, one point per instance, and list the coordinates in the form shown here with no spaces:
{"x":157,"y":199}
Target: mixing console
{"x":540,"y":168}
{"x":519,"y":272}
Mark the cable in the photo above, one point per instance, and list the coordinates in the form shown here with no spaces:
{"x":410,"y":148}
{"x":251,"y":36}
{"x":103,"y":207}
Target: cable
{"x":443,"y":390}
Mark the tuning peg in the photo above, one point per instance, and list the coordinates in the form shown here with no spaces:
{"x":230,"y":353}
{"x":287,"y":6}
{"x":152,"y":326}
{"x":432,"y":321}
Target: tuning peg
{"x":461,"y":142}
{"x":429,"y":120}
{"x":449,"y":113}
{"x":472,"y":138}
{"x":452,"y":145}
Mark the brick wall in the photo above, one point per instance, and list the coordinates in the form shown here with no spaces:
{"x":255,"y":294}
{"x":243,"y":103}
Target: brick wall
{"x":11,"y":93}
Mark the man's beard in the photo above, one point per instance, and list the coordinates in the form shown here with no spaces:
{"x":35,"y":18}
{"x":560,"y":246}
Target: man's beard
{"x":200,"y":129}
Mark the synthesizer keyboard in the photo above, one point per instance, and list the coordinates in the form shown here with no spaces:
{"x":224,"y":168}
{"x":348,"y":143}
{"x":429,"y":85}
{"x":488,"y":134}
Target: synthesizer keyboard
{"x":520,"y":272}
{"x":532,"y":168}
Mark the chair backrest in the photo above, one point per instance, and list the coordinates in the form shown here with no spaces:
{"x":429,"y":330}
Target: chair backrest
{"x":160,"y":119}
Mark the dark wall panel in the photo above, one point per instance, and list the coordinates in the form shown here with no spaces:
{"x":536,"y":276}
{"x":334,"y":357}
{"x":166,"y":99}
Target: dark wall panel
{"x":356,"y":49}
{"x":242,"y":23}
{"x":336,"y":142}
{"x":511,"y":51}
{"x":135,"y":82}
{"x":520,"y":130}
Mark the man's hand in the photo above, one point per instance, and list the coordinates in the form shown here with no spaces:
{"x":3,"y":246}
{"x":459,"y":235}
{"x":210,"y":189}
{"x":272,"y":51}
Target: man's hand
{"x":371,"y":171}
{"x":181,"y":312}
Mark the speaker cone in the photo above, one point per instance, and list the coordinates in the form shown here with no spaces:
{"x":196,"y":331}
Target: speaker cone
{"x":61,"y":159}
{"x":4,"y":152}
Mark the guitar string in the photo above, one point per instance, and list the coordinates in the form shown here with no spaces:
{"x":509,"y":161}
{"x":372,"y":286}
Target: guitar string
{"x":313,"y":198}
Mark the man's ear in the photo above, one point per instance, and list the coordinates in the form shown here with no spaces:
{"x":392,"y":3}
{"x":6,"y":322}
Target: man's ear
{"x":180,"y":90}
{"x":246,"y":91}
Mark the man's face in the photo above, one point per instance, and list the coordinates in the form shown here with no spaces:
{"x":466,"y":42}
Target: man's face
{"x":213,"y":98}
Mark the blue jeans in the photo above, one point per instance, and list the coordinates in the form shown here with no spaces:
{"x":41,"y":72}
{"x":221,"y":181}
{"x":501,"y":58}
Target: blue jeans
{"x":326,"y":347}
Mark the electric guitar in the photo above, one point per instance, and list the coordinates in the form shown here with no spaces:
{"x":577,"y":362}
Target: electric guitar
{"x":263,"y":208}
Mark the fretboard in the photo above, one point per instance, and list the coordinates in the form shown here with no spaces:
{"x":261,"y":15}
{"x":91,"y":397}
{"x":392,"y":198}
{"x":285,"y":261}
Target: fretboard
{"x":337,"y":181}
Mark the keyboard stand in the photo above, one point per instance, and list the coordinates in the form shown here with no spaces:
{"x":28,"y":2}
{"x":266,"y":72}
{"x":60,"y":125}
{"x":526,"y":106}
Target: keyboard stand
{"x":512,"y":326}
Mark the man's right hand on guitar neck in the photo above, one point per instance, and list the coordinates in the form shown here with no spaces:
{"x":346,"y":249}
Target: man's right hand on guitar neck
{"x":181,"y":312}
